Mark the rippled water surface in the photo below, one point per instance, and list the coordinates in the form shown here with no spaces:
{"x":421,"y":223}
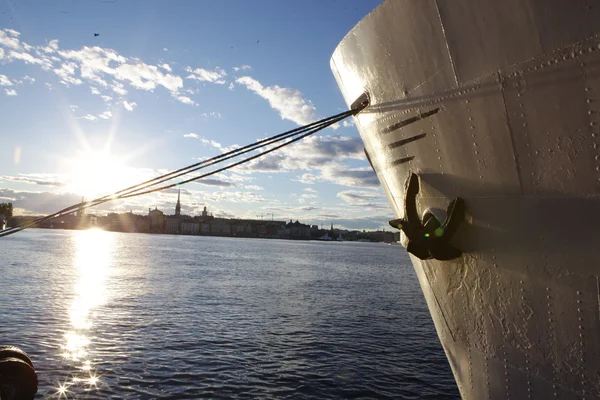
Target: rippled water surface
{"x":113,"y":315}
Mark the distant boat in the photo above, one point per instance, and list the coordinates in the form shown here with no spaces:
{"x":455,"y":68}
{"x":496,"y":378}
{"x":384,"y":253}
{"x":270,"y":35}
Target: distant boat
{"x":340,"y":239}
{"x":325,"y":237}
{"x":2,"y":223}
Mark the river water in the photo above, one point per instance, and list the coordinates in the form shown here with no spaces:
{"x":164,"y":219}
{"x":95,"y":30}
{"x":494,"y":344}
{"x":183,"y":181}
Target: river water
{"x":116,"y":315}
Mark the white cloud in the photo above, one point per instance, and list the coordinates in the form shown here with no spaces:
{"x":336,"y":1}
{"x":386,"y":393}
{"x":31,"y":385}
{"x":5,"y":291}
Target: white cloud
{"x":310,"y":190}
{"x":166,"y":67}
{"x":94,"y":90}
{"x":4,"y":81}
{"x":359,"y":196}
{"x":105,"y":115}
{"x":191,"y":91}
{"x":231,"y":86}
{"x":309,"y":179}
{"x":146,"y":77}
{"x":235,"y":197}
{"x":118,"y":88}
{"x":348,"y":123}
{"x":100,"y":81}
{"x":314,"y":152}
{"x":66,"y":72}
{"x":254,"y":187}
{"x":36,"y":179}
{"x":201,"y":74}
{"x":27,"y":202}
{"x":215,"y":182}
{"x":89,"y":117}
{"x":364,"y":200}
{"x":10,"y":92}
{"x":353,"y":177}
{"x":106,"y":98}
{"x":212,"y":114}
{"x":29,"y":59}
{"x":97,"y":61}
{"x":211,"y":143}
{"x":322,"y":157}
{"x":1,"y":53}
{"x":244,"y":67}
{"x":28,"y":79}
{"x":288,"y":102}
{"x":7,"y":41}
{"x":12,"y":32}
{"x":51,"y":47}
{"x":186,"y":100}
{"x":94,"y":60}
{"x":129,"y":106}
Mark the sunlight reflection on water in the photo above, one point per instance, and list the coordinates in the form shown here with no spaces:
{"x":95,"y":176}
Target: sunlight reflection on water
{"x":108,"y":315}
{"x":93,"y":263}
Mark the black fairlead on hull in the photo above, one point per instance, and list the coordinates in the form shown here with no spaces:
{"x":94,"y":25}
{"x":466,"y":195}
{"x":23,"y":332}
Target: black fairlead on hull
{"x":429,"y":238}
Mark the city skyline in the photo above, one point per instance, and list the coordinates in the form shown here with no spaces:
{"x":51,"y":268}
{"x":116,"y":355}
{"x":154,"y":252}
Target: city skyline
{"x":163,"y":86}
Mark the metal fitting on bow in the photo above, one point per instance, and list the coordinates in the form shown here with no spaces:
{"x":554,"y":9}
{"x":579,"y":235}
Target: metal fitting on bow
{"x":429,"y":238}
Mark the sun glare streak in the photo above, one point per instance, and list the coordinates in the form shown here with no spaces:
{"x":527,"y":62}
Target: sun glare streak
{"x":72,"y":122}
{"x":62,"y":391}
{"x":93,"y":262}
{"x":114,"y":125}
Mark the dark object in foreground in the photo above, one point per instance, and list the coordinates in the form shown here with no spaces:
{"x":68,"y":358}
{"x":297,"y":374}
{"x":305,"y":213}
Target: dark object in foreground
{"x":430,"y":238}
{"x":18,"y":380}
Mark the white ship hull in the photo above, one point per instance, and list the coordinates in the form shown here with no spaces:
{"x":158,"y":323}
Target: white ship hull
{"x":517,"y":136}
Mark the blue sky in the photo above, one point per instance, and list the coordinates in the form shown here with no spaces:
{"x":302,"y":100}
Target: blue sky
{"x":165,"y":84}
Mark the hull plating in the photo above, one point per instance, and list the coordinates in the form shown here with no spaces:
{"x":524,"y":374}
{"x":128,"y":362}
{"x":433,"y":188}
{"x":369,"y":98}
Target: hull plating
{"x":517,"y":136}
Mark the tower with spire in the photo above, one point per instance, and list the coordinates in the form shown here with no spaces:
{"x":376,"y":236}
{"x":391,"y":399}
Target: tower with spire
{"x":178,"y":206}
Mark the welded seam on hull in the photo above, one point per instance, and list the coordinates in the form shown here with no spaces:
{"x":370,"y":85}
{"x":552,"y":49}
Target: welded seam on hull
{"x":598,"y":285}
{"x":510,"y":132}
{"x":437,"y":8}
{"x":568,"y":53}
{"x":439,"y":306}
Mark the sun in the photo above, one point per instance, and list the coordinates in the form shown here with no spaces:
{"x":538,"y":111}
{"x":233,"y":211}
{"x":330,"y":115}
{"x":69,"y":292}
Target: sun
{"x":97,"y":173}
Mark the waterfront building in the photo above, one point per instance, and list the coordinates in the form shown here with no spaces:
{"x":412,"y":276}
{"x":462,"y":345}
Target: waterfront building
{"x":190,"y":227}
{"x":381,"y":236}
{"x":172,"y":225}
{"x":157,"y":220}
{"x":298,"y":230}
{"x":121,"y":222}
{"x":220,"y":226}
{"x":205,"y":228}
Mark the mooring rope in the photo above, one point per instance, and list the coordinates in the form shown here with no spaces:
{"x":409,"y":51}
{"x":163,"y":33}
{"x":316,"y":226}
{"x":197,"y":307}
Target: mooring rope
{"x":148,"y":186}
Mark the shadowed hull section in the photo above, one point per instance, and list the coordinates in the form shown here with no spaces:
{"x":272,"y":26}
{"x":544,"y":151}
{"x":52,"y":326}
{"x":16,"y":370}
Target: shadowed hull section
{"x":517,"y":136}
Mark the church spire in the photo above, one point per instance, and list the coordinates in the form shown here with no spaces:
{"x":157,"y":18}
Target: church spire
{"x":178,"y":206}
